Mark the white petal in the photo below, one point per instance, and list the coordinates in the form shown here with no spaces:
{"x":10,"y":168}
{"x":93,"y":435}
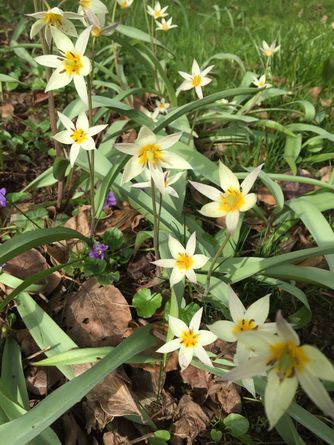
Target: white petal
{"x":212,"y":210}
{"x":80,"y":86}
{"x":258,"y":311}
{"x":231,"y":221}
{"x":185,"y":357}
{"x":48,"y":60}
{"x":165,"y":263}
{"x":63,"y":43}
{"x":82,"y":121}
{"x":285,"y":330}
{"x":175,"y":247}
{"x":170,"y":346}
{"x":253,"y":367}
{"x":237,"y":309}
{"x":191,"y":244}
{"x":185,"y":75}
{"x":207,"y":70}
{"x":172,"y":160}
{"x":82,"y":41}
{"x":190,"y":274}
{"x":88,"y":144}
{"x":129,"y":149}
{"x":269,"y":327}
{"x":64,"y":137}
{"x":168,"y":141}
{"x":48,"y":35}
{"x":248,"y":182}
{"x":174,"y":178}
{"x":199,"y":92}
{"x":195,"y":69}
{"x":250,"y":201}
{"x":224,"y":330}
{"x":207,"y":190}
{"x":319,"y":365}
{"x":36,"y":27}
{"x":316,"y":392}
{"x":68,"y":28}
{"x":199,"y":261}
{"x":206,"y":337}
{"x":177,"y":326}
{"x":205,"y":81}
{"x":131,"y":170}
{"x":186,"y":85}
{"x":202,"y":355}
{"x":96,"y":129}
{"x":74,"y":151}
{"x":68,"y":124}
{"x":146,"y":136}
{"x":176,"y":276}
{"x":242,"y":354}
{"x":249,"y":385}
{"x":227,"y":178}
{"x":86,"y":66}
{"x":196,"y":320}
{"x":278,"y":396}
{"x":58,"y":80}
{"x":258,"y":341}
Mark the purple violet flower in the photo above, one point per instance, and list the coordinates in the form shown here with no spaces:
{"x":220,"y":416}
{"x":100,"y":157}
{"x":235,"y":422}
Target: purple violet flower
{"x":3,"y":201}
{"x":98,"y":251}
{"x":110,"y":201}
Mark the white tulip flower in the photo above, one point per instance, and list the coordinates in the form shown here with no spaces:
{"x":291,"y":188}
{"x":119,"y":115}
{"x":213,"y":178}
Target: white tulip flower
{"x":243,"y":320}
{"x":150,"y":152}
{"x":161,"y":106}
{"x":96,"y":6}
{"x":269,"y":51}
{"x":190,"y":340}
{"x":165,"y":25}
{"x":79,"y":135}
{"x":70,"y":65}
{"x":157,"y":12}
{"x":124,"y":3}
{"x":287,"y":364}
{"x":234,"y":198}
{"x":184,"y":262}
{"x":261,"y":82}
{"x":162,"y":181}
{"x":197,"y":79}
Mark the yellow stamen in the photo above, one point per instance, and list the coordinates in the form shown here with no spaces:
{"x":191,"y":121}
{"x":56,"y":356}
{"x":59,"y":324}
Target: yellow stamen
{"x":79,"y":136}
{"x":53,"y":19}
{"x":244,"y":325}
{"x":157,"y":14}
{"x":72,"y":63}
{"x":189,"y":339}
{"x":232,"y":200}
{"x":85,"y":3}
{"x":150,"y":154}
{"x":96,"y":31}
{"x":196,"y":80}
{"x":261,"y":84}
{"x":287,"y":357}
{"x":124,"y":4}
{"x":268,"y":52}
{"x":184,"y":261}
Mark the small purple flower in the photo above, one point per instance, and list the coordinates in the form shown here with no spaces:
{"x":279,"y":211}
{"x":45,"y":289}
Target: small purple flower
{"x":3,"y":201}
{"x":98,"y":251}
{"x":110,"y":201}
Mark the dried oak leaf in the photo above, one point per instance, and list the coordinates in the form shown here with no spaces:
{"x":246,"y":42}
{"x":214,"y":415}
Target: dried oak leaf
{"x":110,"y":398}
{"x":294,"y":189}
{"x":80,"y":223}
{"x":195,"y":377}
{"x":124,"y":219}
{"x":113,"y":438}
{"x":29,"y":263}
{"x":190,"y":420}
{"x":263,"y":195}
{"x":97,"y":316}
{"x":223,"y":397}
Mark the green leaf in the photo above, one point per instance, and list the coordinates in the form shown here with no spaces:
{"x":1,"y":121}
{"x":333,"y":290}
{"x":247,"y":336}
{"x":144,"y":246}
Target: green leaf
{"x":293,"y":145}
{"x":137,"y":34}
{"x":5,"y":78}
{"x":21,"y":431}
{"x":216,"y":435}
{"x":304,"y":274}
{"x":237,"y":424}
{"x":287,"y":430}
{"x":226,"y":56}
{"x":146,"y":303}
{"x":60,"y":166}
{"x":114,"y":238}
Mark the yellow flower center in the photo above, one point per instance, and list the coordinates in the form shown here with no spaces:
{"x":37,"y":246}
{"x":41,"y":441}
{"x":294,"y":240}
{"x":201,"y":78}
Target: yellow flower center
{"x":189,"y":339}
{"x":85,"y":3}
{"x":261,"y":84}
{"x":157,"y":14}
{"x":79,"y":136}
{"x":96,"y":31}
{"x":162,"y":106}
{"x":196,"y":80}
{"x":72,"y":63}
{"x":287,"y":357}
{"x":244,"y":325}
{"x":51,"y":18}
{"x":124,"y":4}
{"x":268,"y":52}
{"x":184,"y":261}
{"x":150,"y":154}
{"x":232,"y":200}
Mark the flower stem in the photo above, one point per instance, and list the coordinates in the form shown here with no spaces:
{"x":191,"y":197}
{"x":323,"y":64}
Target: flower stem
{"x":156,"y":221}
{"x":213,"y":262}
{"x":91,"y":154}
{"x":192,"y":127}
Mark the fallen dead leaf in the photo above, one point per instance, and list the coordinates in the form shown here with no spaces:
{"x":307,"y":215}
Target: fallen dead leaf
{"x":141,"y":267}
{"x":295,"y":189}
{"x":223,"y":396}
{"x":326,"y":173}
{"x":263,"y":195}
{"x":97,"y":316}
{"x":113,"y":438}
{"x":80,"y":223}
{"x":326,"y":103}
{"x":6,"y":110}
{"x":314,"y":93}
{"x":312,"y":262}
{"x":124,"y":219}
{"x":195,"y":377}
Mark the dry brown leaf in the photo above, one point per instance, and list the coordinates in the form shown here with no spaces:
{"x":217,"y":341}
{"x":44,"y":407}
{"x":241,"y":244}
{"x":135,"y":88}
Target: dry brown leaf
{"x":80,"y":223}
{"x":97,"y":316}
{"x":195,"y":377}
{"x":190,"y":420}
{"x":124,"y":219}
{"x":29,"y":263}
{"x":141,"y":266}
{"x":295,"y":189}
{"x":263,"y":195}
{"x":326,"y":103}
{"x":312,"y":262}
{"x":224,"y":396}
{"x":6,"y":110}
{"x":110,"y":398}
{"x":326,"y":173}
{"x":314,"y":93}
{"x":113,"y":438}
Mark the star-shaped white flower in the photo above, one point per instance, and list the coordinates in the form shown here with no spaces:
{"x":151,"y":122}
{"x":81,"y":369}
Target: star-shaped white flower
{"x":197,"y":79}
{"x":243,"y":320}
{"x":234,"y":198}
{"x":54,"y":17}
{"x":269,"y":51}
{"x":162,"y":181}
{"x":165,"y":25}
{"x":157,"y":12}
{"x":150,"y":152}
{"x":161,"y":106}
{"x":70,"y":65}
{"x":287,"y":363}
{"x":261,"y":82}
{"x":184,"y":262}
{"x":79,"y":135}
{"x":190,"y":340}
{"x":124,"y":3}
{"x":96,"y":6}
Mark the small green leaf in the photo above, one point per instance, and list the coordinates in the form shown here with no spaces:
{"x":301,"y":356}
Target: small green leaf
{"x":216,"y":435}
{"x":113,"y":238}
{"x":146,"y":303}
{"x":160,"y":437}
{"x":59,"y":167}
{"x":237,"y":424}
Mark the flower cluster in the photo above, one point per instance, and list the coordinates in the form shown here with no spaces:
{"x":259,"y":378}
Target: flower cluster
{"x":157,"y":12}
